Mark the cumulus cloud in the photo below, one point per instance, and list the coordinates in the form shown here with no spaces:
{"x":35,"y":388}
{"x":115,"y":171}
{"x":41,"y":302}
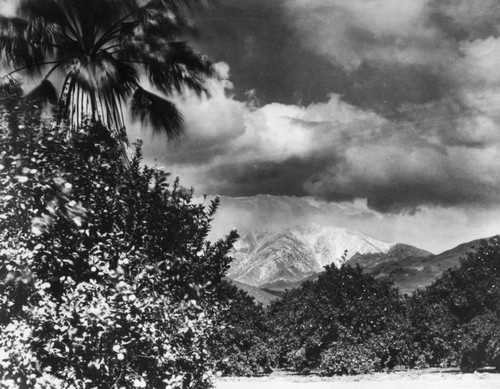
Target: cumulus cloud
{"x":400,"y":52}
{"x":466,"y":20}
{"x":350,"y":32}
{"x":336,"y":151}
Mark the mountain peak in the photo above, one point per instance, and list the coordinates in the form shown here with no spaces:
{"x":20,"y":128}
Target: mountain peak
{"x":297,"y":252}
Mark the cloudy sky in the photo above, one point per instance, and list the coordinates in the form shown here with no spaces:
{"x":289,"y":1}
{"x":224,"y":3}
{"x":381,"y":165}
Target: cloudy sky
{"x":386,"y":108}
{"x":377,"y":115}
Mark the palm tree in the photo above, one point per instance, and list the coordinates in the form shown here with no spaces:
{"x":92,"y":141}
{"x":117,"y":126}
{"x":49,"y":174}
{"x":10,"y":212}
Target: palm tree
{"x":101,"y":50}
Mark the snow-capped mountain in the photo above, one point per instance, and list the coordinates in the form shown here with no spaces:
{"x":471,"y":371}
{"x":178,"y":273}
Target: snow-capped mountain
{"x":292,"y":254}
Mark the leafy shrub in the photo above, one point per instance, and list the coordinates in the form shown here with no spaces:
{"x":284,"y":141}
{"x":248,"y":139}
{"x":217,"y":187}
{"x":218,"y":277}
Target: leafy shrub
{"x":471,"y":289}
{"x":239,"y":342}
{"x":380,"y":352}
{"x":481,"y":343}
{"x":392,"y":348}
{"x":105,"y":269}
{"x":432,"y":333}
{"x":348,"y":359}
{"x":454,"y":321}
{"x":449,"y":325}
{"x":344,"y":305}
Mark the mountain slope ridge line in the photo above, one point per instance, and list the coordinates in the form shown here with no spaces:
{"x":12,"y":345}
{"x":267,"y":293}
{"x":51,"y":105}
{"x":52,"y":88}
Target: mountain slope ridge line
{"x":297,"y":252}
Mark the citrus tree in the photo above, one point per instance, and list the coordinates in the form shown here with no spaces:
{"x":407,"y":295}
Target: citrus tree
{"x":106,"y":277}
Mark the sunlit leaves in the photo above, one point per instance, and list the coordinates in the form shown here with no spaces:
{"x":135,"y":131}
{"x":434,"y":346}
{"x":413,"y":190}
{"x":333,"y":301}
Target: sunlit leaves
{"x":343,"y":306}
{"x":101,"y":267}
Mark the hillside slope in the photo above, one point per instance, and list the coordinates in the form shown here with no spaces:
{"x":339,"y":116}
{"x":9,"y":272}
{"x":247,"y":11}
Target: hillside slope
{"x":259,"y":295}
{"x":288,"y":256}
{"x":410,"y":268}
{"x":280,"y":260}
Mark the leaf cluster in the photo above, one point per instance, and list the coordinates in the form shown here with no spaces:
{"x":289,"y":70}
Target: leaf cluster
{"x":455,"y":309}
{"x":240,"y":342}
{"x":105,"y":268}
{"x":344,"y":306}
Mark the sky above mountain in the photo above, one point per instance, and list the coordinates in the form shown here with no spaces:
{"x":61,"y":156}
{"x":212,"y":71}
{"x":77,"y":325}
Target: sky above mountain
{"x":392,"y":102}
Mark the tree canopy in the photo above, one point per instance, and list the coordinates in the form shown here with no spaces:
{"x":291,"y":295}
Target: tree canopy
{"x":100,"y":49}
{"x":106,"y":276}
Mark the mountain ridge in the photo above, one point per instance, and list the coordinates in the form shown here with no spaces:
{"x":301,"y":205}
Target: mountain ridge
{"x":408,"y":267}
{"x":297,"y":252}
{"x":283,"y":259}
{"x":413,"y":272}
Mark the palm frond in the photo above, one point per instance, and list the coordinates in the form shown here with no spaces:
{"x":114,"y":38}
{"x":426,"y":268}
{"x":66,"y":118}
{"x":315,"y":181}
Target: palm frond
{"x":154,"y":24}
{"x":162,"y":5}
{"x":176,"y":66}
{"x":171,"y":66}
{"x":161,"y":114}
{"x":116,"y":9}
{"x":95,"y":16}
{"x":43,"y":94}
{"x":44,"y":35}
{"x":17,"y":53}
{"x":162,"y":18}
{"x":104,"y":73}
{"x":163,"y":24}
{"x":176,"y":78}
{"x":15,"y":50}
{"x":83,"y":19}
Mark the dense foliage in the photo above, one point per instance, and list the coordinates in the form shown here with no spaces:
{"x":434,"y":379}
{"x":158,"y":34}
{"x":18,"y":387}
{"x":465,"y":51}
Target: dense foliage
{"x":346,"y":322}
{"x":106,"y":277}
{"x":240,"y":342}
{"x":329,"y":319}
{"x":454,"y":320}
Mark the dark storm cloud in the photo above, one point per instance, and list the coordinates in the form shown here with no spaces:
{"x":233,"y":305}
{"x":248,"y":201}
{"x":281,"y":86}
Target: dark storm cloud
{"x":338,"y":152}
{"x":462,"y":20}
{"x":435,"y":184}
{"x":265,"y":53}
{"x":386,"y":87}
{"x":268,"y":51}
{"x":411,"y":120}
{"x":275,"y":178}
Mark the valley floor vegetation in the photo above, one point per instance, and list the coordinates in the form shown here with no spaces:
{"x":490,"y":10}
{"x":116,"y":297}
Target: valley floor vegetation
{"x":107,"y":280}
{"x":346,"y":322}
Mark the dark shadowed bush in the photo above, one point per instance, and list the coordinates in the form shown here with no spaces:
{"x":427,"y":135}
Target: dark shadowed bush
{"x":343,"y":307}
{"x":348,"y":359}
{"x":453,"y":319}
{"x":106,"y":277}
{"x":481,"y":343}
{"x":239,"y":345}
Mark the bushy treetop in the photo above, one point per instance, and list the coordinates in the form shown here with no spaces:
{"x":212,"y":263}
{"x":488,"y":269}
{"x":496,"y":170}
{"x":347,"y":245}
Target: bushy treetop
{"x":106,"y":275}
